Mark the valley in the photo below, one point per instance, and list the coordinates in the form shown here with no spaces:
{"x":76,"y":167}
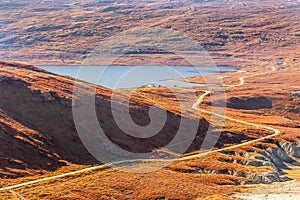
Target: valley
{"x":211,"y":111}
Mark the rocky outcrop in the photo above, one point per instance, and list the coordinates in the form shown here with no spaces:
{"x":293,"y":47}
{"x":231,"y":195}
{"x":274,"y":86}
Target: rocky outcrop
{"x":295,"y":94}
{"x":66,"y":102}
{"x":292,"y":149}
{"x":53,"y":96}
{"x":47,"y":96}
{"x":266,"y":178}
{"x":277,"y":158}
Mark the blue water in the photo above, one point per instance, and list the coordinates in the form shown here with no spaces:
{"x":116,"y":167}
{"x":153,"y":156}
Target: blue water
{"x":135,"y":76}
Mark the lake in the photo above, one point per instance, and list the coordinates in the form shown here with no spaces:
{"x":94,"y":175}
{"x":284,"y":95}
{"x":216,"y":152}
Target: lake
{"x":135,"y":76}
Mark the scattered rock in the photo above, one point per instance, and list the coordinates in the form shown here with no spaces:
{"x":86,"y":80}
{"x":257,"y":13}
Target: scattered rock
{"x":6,"y":78}
{"x":53,"y":96}
{"x":47,"y":96}
{"x":36,"y":92}
{"x":278,"y":63}
{"x":66,"y":102}
{"x":295,"y":94}
{"x":287,"y":117}
{"x":10,"y":79}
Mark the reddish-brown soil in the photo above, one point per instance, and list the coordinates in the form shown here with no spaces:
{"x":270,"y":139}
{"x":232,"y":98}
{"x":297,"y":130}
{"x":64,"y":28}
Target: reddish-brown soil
{"x":38,"y":138}
{"x":39,"y":131}
{"x":42,"y":134}
{"x":232,"y":32}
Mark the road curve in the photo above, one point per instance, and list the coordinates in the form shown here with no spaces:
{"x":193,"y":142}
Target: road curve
{"x":196,"y":107}
{"x":242,"y":82}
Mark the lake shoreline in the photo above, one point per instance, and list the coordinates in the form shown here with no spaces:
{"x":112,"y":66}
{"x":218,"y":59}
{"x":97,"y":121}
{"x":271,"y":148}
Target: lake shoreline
{"x":124,"y":77}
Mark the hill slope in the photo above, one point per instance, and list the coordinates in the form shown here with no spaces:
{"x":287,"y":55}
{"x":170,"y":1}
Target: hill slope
{"x":37,"y":127}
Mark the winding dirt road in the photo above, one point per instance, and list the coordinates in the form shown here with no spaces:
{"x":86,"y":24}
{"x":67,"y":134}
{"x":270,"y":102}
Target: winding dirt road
{"x":196,"y":107}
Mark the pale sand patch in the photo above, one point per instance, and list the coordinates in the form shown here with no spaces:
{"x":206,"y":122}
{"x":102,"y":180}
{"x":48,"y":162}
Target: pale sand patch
{"x":289,"y":190}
